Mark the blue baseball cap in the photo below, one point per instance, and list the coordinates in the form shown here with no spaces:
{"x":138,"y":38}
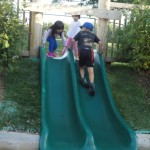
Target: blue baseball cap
{"x":88,"y":25}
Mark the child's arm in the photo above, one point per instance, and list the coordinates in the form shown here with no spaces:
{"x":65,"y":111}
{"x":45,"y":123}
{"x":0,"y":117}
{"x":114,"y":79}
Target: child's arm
{"x":46,"y":34}
{"x":71,"y":44}
{"x":63,"y":39}
{"x":75,"y":39}
{"x":100,"y":47}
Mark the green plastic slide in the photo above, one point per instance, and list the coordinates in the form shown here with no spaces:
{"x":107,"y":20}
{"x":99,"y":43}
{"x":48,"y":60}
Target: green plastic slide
{"x":71,"y":118}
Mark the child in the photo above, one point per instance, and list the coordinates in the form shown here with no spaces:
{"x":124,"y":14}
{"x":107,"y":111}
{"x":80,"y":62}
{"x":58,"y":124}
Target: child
{"x":86,"y":39}
{"x":74,"y":28}
{"x":50,"y":35}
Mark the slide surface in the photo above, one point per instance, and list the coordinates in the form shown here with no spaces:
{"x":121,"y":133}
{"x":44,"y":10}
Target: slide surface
{"x":71,"y":118}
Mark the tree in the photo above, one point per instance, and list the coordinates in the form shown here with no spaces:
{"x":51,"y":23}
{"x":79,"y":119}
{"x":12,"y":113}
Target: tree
{"x":94,"y":3}
{"x":11,"y":31}
{"x":135,"y":39}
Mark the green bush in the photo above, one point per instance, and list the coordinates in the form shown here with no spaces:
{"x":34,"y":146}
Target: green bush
{"x":135,"y":39}
{"x":11,"y":32}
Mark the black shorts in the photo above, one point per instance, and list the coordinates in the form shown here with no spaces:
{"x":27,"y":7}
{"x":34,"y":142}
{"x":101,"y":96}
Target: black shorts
{"x":86,"y":58}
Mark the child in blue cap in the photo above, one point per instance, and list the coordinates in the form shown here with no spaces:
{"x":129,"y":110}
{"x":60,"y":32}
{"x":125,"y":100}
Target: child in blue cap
{"x":86,"y":39}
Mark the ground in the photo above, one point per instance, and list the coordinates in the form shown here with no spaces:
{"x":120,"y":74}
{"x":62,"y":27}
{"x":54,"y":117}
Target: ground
{"x":144,"y":80}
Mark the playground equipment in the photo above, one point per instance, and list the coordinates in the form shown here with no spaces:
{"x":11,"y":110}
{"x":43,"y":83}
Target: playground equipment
{"x":37,"y":7}
{"x":71,"y":118}
{"x":105,"y":12}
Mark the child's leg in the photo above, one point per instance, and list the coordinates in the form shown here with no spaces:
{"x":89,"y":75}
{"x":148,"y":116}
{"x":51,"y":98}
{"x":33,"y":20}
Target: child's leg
{"x":90,"y":67}
{"x":91,"y":74}
{"x":69,"y":42}
{"x":91,"y":78}
{"x":82,"y":72}
{"x":75,"y":48}
{"x":52,"y":44}
{"x":68,"y":45}
{"x":55,"y":45}
{"x":82,"y":79}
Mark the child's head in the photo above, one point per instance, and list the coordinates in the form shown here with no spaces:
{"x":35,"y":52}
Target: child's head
{"x":76,"y":17}
{"x":87,"y":26}
{"x":57,"y":27}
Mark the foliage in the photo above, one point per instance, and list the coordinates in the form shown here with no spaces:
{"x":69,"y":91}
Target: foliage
{"x":132,"y":1}
{"x":135,"y":39}
{"x":46,"y":26}
{"x":94,"y":3}
{"x":11,"y":32}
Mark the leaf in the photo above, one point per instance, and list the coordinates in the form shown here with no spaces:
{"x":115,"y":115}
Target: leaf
{"x":5,"y":44}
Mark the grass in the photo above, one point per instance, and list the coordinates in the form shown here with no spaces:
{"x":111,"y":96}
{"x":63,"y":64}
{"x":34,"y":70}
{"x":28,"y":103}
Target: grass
{"x":130,"y":96}
{"x":21,"y":108}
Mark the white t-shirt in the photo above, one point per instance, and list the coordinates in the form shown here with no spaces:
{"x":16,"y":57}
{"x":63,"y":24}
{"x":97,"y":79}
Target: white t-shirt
{"x":74,"y":28}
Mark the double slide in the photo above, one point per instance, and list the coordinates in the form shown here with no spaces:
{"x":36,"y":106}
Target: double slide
{"x":71,"y":118}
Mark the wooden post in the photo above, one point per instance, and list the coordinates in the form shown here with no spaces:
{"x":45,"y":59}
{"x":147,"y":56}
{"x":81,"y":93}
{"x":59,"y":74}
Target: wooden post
{"x":35,"y":33}
{"x":103,"y":25}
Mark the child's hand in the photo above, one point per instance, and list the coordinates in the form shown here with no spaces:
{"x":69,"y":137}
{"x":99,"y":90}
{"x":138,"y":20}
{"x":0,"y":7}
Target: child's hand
{"x":100,"y":52}
{"x":43,"y":45}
